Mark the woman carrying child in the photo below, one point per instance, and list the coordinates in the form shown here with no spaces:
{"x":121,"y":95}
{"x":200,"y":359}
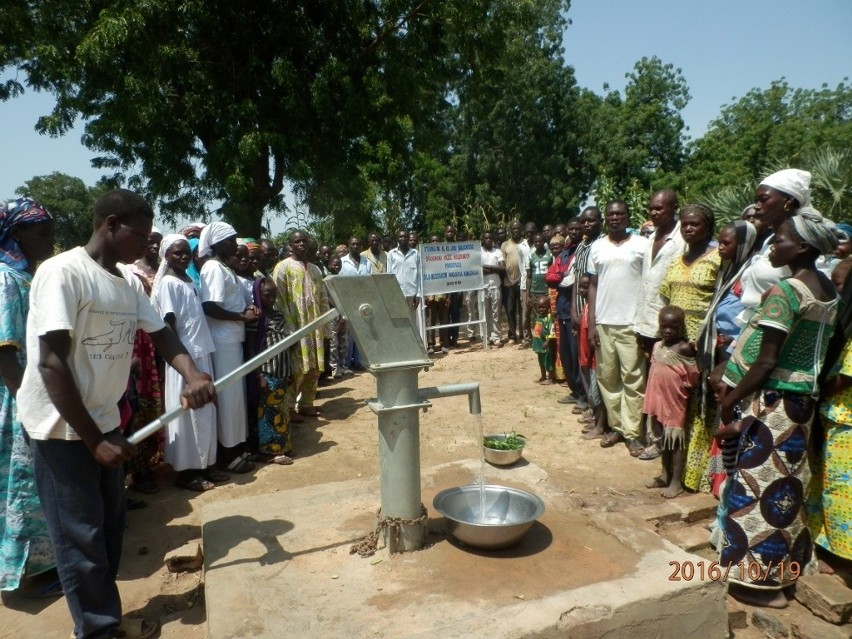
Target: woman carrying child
{"x":190,"y":445}
{"x":768,"y":405}
{"x":719,"y":328}
{"x":673,"y":374}
{"x":268,"y":389}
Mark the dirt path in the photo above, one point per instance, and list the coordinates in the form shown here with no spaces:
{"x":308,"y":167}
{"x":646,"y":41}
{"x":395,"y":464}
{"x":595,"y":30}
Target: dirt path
{"x":342,"y":445}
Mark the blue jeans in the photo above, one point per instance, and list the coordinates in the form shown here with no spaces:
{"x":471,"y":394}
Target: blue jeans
{"x":85,"y":509}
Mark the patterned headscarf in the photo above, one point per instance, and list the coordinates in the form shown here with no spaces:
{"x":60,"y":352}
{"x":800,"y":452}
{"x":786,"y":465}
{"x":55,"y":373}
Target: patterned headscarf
{"x":250,"y":243}
{"x":14,"y":213}
{"x":730,"y":273}
{"x":844,"y":229}
{"x":191,"y":227}
{"x":814,"y":230}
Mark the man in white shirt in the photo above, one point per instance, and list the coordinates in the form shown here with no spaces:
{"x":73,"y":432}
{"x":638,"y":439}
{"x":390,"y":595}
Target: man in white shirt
{"x":404,"y":263}
{"x":615,"y":291}
{"x":667,"y":245}
{"x":85,"y":308}
{"x":493,"y":268}
{"x":353,"y":264}
{"x":525,"y":248}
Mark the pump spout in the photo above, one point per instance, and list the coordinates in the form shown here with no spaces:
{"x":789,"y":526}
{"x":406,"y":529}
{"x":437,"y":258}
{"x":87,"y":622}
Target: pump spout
{"x":471,"y":389}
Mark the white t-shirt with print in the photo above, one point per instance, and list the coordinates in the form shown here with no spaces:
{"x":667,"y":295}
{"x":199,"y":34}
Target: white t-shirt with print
{"x":101,"y":311}
{"x":219,"y":284}
{"x":619,"y":271}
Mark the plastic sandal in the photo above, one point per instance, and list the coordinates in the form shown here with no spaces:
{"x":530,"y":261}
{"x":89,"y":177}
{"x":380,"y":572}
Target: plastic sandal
{"x":198,"y":485}
{"x":240,"y":465}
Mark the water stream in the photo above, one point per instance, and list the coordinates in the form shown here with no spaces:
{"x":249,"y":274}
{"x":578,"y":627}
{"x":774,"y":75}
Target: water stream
{"x":477,"y":422}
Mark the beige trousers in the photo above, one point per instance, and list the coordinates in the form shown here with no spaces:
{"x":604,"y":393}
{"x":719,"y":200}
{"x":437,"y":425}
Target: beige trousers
{"x":621,"y":378}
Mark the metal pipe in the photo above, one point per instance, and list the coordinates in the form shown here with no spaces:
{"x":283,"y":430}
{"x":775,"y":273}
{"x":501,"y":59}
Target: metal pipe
{"x":238,"y":373}
{"x":471,"y":389}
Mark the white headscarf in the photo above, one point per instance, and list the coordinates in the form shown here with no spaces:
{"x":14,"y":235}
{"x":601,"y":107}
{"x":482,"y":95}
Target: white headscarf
{"x":212,"y":234}
{"x":793,"y":182}
{"x":165,"y":245}
{"x":815,"y":230}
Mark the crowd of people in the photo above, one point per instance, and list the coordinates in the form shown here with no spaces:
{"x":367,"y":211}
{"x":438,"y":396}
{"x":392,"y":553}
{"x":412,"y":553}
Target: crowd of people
{"x":724,"y":354}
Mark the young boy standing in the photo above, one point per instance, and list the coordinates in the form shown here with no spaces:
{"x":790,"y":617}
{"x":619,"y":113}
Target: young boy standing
{"x":544,"y":340}
{"x":84,"y":310}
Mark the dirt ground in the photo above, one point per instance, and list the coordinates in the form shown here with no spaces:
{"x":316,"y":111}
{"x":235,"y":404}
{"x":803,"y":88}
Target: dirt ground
{"x":342,"y":444}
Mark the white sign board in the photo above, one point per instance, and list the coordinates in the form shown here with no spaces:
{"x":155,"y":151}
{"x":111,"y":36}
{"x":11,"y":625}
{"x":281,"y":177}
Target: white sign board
{"x":450,"y":267}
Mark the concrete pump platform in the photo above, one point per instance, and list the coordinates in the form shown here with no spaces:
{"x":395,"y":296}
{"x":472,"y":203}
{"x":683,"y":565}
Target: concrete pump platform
{"x":279,"y":565}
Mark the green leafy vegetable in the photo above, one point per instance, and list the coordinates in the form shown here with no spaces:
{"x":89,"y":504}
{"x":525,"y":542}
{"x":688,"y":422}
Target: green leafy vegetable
{"x":511,"y":441}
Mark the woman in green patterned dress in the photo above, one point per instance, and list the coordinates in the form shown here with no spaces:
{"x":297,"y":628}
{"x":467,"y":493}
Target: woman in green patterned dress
{"x":26,"y":554}
{"x":768,"y":405}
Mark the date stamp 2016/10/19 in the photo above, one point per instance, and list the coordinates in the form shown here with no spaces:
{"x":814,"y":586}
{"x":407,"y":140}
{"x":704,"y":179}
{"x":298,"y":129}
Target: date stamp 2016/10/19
{"x":742,"y":571}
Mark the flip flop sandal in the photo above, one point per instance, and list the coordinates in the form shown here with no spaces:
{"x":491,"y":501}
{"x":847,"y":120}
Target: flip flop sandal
{"x":211,"y":474}
{"x":240,"y":465}
{"x":198,"y":485}
{"x":281,"y":460}
{"x":295,"y":418}
{"x":309,"y":411}
{"x":136,"y":628}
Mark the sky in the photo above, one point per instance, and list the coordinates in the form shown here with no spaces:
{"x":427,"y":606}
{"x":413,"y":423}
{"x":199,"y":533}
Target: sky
{"x":724,"y":48}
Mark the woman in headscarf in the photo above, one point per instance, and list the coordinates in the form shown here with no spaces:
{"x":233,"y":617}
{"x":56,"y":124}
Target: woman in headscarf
{"x":768,"y":405}
{"x":26,"y":553}
{"x":689,"y":284}
{"x":718,"y":330}
{"x":777,"y":198}
{"x":224,"y":302}
{"x":190,"y":445}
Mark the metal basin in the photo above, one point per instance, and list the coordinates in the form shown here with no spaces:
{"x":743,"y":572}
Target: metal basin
{"x":502,"y":457}
{"x":509,"y":514}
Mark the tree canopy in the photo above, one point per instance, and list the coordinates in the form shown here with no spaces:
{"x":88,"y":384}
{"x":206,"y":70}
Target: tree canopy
{"x":391,"y":113}
{"x":210,"y":100}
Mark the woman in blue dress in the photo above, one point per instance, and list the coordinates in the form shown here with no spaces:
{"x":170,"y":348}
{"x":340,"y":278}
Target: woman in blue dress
{"x":26,"y":554}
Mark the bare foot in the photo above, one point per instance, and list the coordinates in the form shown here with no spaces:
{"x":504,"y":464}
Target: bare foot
{"x":657,"y":482}
{"x":824,"y":568}
{"x":595,"y":433}
{"x":755,"y":597}
{"x":672,"y":490}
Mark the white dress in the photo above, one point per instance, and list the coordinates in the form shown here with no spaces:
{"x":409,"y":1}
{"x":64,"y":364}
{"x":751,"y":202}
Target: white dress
{"x":191,"y":438}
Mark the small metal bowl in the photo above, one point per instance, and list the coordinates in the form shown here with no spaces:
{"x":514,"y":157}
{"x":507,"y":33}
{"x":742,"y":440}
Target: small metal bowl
{"x":502,"y":457}
{"x":509,"y":514}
